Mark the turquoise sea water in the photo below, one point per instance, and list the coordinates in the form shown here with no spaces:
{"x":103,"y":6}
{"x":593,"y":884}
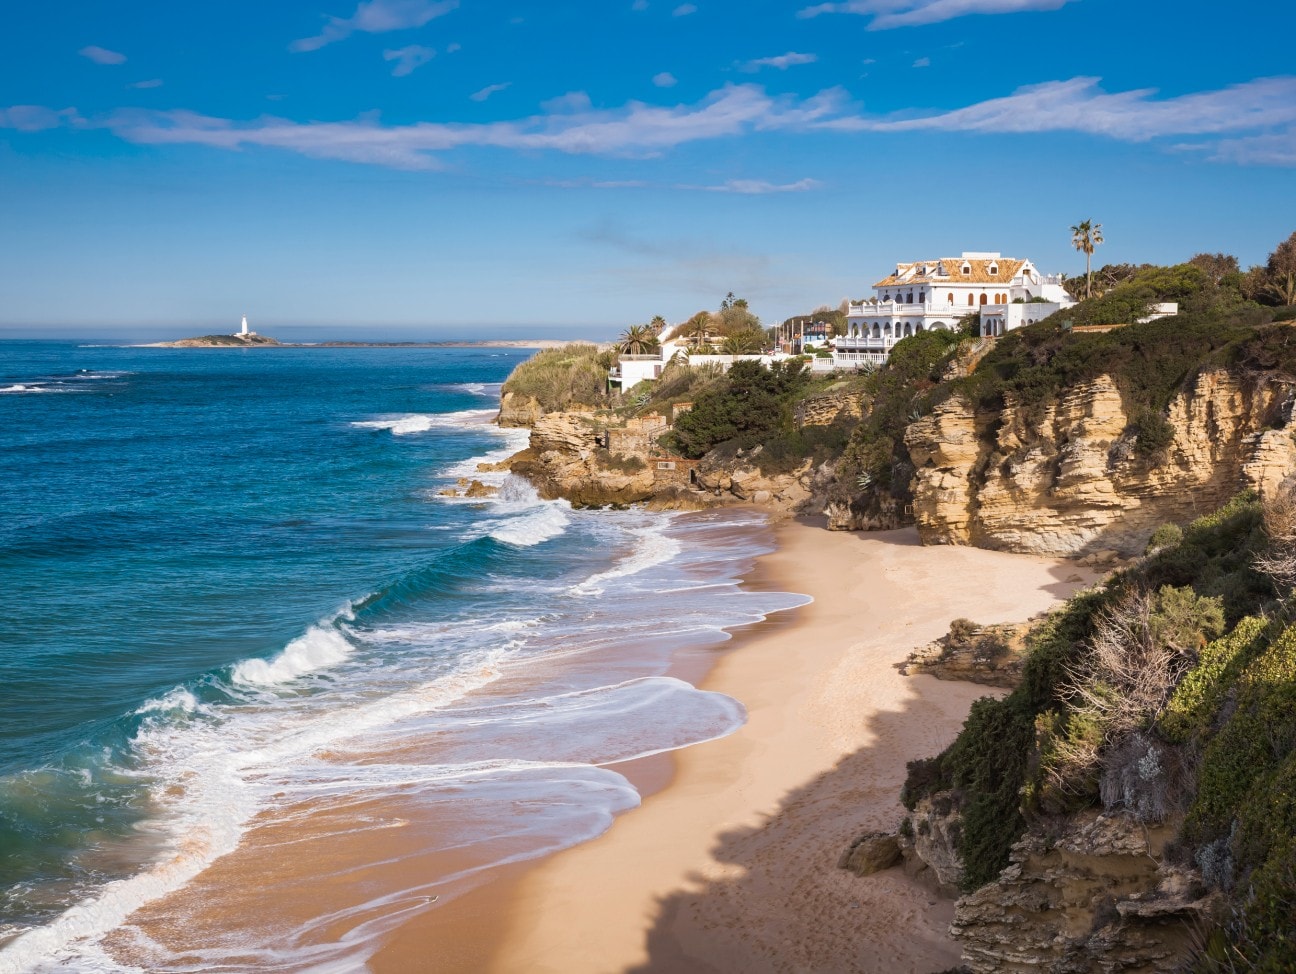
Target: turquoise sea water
{"x":221,"y":565}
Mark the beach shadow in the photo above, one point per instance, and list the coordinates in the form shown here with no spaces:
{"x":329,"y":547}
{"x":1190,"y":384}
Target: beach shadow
{"x":784,"y":905}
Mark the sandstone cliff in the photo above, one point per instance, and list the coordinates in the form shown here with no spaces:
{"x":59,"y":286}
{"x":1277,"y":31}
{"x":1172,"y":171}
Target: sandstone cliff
{"x":1095,"y":896}
{"x":1074,"y":481}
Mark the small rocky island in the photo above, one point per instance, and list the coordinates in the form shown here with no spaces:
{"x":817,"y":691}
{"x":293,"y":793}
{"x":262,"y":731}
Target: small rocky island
{"x":220,"y":341}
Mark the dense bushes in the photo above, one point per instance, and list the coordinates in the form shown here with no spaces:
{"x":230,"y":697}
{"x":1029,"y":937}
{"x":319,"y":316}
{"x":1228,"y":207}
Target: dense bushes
{"x":750,"y":405}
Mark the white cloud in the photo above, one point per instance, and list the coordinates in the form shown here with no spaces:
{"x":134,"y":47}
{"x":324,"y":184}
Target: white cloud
{"x":684,"y":9}
{"x":665,"y":80}
{"x":922,"y":62}
{"x":782,"y":62}
{"x":101,"y":55}
{"x":887,"y":14}
{"x":408,"y":58}
{"x":376,"y":17}
{"x":453,"y":46}
{"x":488,"y":91}
{"x":639,"y":5}
{"x":150,"y":83}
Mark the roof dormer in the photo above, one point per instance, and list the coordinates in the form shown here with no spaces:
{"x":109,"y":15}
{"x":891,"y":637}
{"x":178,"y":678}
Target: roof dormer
{"x":966,"y":269}
{"x":993,"y":269}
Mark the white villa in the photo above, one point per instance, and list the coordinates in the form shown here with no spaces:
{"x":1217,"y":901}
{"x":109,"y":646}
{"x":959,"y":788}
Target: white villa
{"x":1007,"y":292}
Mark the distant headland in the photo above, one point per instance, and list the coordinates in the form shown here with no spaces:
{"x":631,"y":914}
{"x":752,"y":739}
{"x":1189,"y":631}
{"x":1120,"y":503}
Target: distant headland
{"x":254,"y":340}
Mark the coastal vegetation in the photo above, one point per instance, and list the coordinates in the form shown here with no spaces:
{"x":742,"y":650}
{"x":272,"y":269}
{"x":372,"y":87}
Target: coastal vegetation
{"x":1169,"y":695}
{"x":564,"y":378}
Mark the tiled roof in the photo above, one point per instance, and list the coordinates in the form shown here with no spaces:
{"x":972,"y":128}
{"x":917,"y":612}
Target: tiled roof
{"x":953,"y":267}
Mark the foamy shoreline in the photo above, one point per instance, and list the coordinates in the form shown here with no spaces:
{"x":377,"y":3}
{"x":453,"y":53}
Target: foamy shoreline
{"x":732,"y":865}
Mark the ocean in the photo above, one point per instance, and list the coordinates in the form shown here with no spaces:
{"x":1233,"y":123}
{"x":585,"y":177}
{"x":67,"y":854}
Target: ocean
{"x":265,"y":694}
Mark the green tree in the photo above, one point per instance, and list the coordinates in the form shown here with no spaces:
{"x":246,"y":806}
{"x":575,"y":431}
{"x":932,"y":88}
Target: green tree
{"x":638,"y":340}
{"x":1085,"y":236}
{"x":658,"y":324}
{"x":1282,"y":271}
{"x":744,"y":342}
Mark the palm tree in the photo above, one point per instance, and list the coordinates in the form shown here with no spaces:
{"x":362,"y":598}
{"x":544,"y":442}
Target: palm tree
{"x":742,"y":343}
{"x":658,"y":324}
{"x":637,"y":340}
{"x":698,"y":330}
{"x":1086,"y":236}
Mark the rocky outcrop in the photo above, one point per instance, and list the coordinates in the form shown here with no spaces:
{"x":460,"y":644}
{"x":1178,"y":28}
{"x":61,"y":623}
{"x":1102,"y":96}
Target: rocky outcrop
{"x":871,"y":853}
{"x":566,"y":458}
{"x":1069,"y":477}
{"x":1097,"y":896}
{"x":990,"y":655}
{"x":569,"y":456}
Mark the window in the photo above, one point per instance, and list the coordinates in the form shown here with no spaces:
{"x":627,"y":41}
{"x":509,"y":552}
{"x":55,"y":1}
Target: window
{"x":984,"y":297}
{"x":970,"y":301}
{"x":951,"y":297}
{"x":966,"y":269}
{"x":994,"y":270}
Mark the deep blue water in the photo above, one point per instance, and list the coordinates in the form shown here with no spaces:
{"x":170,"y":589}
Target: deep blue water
{"x":221,"y":566}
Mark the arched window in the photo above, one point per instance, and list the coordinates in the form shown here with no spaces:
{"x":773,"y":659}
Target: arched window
{"x":918,"y":328}
{"x":970,"y":301}
{"x":909,"y":299}
{"x":886,"y":329}
{"x":951,"y":297}
{"x":984,"y":298}
{"x":877,"y":330}
{"x":908,"y":329}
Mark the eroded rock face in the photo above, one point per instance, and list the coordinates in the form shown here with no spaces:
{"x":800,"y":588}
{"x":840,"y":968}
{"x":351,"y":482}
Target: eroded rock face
{"x":1074,"y":482}
{"x":1095,"y":898}
{"x":518,"y":410}
{"x":565,"y":459}
{"x":930,"y":844}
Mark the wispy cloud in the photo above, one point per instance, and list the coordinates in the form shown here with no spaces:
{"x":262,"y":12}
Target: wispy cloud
{"x":376,"y":17}
{"x":101,"y":55}
{"x":408,"y":58}
{"x":1080,"y":105}
{"x":782,"y":62}
{"x":922,"y":62}
{"x":665,"y":80}
{"x":488,"y":91}
{"x":1252,"y":123}
{"x":37,"y":118}
{"x":758,"y":187}
{"x":150,"y":83}
{"x":684,"y":9}
{"x":636,"y":130}
{"x":639,"y":5}
{"x":888,"y":14}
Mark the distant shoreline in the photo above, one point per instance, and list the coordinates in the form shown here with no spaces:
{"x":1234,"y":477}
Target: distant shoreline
{"x":486,"y":343}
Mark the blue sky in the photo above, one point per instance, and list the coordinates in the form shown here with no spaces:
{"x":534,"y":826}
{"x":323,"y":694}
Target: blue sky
{"x":435,"y":168}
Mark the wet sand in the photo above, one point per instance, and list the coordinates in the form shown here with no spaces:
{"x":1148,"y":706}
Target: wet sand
{"x":729,"y":865}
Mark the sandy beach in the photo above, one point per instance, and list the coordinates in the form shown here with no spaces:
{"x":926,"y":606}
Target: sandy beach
{"x":732,"y":865}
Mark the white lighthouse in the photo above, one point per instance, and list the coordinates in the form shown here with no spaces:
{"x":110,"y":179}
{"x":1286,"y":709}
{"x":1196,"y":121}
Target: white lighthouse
{"x":244,"y":330}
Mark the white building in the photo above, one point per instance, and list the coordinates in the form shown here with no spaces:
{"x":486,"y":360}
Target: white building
{"x":1005,"y":291}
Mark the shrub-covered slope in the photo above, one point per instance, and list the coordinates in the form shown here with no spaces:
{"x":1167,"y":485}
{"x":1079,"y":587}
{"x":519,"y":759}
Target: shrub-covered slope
{"x":1167,"y":696}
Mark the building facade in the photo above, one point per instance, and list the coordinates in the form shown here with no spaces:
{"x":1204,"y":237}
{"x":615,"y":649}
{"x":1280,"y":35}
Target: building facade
{"x":1005,"y":293}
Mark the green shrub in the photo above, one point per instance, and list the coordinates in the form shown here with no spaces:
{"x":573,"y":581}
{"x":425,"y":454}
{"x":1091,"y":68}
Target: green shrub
{"x":750,"y":405}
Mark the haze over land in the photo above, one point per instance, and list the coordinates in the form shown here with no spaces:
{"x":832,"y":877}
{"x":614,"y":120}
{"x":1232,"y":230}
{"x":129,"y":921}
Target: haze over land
{"x":400,"y":169}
